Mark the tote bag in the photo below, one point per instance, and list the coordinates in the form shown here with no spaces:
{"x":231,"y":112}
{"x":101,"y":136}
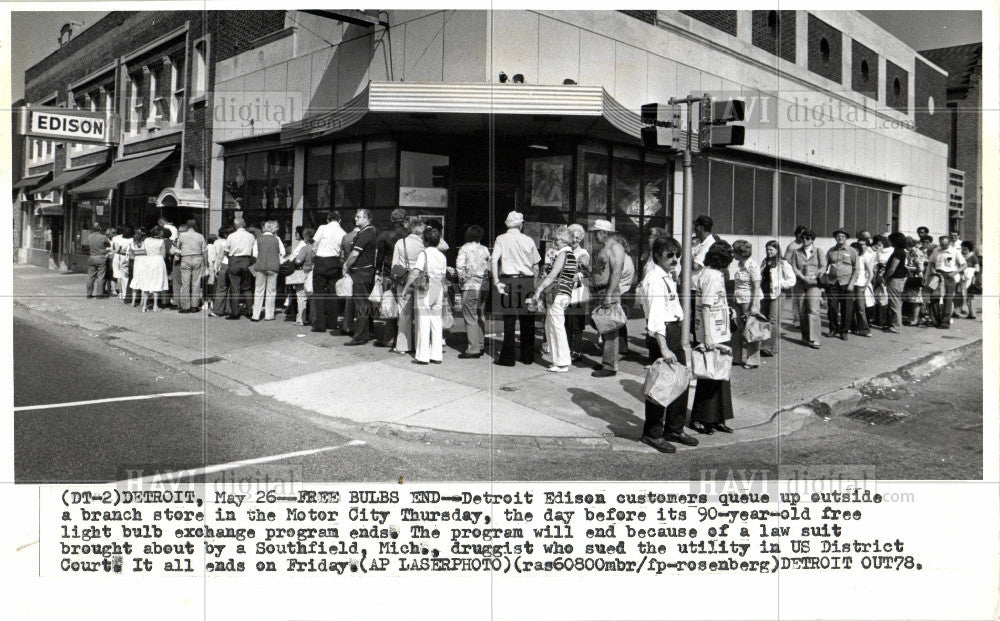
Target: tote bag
{"x":344,"y":287}
{"x":608,"y":318}
{"x":756,"y":331}
{"x":665,"y":381}
{"x":388,"y":306}
{"x":711,"y":364}
{"x":375,"y":297}
{"x":580,"y":294}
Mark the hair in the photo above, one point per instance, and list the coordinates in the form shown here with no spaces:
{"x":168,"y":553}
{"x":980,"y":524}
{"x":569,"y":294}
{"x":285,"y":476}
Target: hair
{"x":138,"y":236}
{"x":857,"y":245}
{"x":193,"y":224}
{"x":155,"y":231}
{"x":212,"y":238}
{"x":865,"y":235}
{"x":897,"y":240}
{"x":162,"y":219}
{"x":579,"y":233}
{"x":308,"y":234}
{"x":967,"y":245}
{"x":704,"y":222}
{"x":911,"y":242}
{"x":944,"y":238}
{"x":164,"y":232}
{"x":435,"y":224}
{"x":226,"y":231}
{"x":772,"y":243}
{"x":880,"y":239}
{"x":840,"y":232}
{"x":271,"y":226}
{"x":415,"y":222}
{"x":664,"y":244}
{"x":397,"y":216}
{"x":626,"y":246}
{"x":298,"y":231}
{"x":800,"y":229}
{"x":111,"y":231}
{"x":742,"y":249}
{"x":719,"y":255}
{"x":239,"y":223}
{"x":924,"y":229}
{"x":806,"y":233}
{"x":126,"y":231}
{"x":926,"y":239}
{"x":564,"y":235}
{"x":432,"y":237}
{"x":333,"y":216}
{"x":474,"y":234}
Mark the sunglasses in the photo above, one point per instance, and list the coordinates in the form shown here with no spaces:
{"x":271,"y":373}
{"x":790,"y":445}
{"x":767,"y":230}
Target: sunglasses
{"x":671,"y":255}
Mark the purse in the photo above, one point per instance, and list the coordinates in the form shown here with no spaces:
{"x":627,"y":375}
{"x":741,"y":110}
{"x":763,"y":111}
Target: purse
{"x":665,"y":381}
{"x":375,"y":297}
{"x":398,"y":273}
{"x":580,"y":294}
{"x":388,"y":306}
{"x":711,"y":364}
{"x":756,"y":331}
{"x":344,"y":287}
{"x":447,"y":316}
{"x":608,"y":318}
{"x":286,"y":269}
{"x":298,"y":277}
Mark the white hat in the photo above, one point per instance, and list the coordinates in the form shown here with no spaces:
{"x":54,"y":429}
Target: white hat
{"x":602,"y":225}
{"x":514,"y":218}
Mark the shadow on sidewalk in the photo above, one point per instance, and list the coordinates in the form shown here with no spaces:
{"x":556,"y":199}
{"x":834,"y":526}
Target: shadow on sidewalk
{"x":622,"y":422}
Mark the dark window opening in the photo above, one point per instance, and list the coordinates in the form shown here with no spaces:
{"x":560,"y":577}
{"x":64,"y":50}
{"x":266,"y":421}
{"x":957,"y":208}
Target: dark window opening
{"x":896,"y":87}
{"x":773,"y":22}
{"x":865,"y":74}
{"x":824,"y":49}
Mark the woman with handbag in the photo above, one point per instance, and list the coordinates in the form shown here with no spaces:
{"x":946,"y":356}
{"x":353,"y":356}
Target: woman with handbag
{"x":563,"y":275}
{"x":713,"y":400}
{"x":776,"y":276}
{"x":427,"y":282}
{"x":579,"y":303}
{"x":404,"y":256}
{"x":303,"y":260}
{"x":746,"y":303}
{"x":664,"y":316}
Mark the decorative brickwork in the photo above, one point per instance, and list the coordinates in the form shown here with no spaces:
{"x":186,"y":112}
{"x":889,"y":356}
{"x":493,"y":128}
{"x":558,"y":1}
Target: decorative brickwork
{"x":825,"y":50}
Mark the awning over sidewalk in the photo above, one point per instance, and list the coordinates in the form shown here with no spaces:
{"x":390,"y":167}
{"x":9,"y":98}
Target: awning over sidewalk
{"x":123,"y":170}
{"x":66,"y":177}
{"x":182,"y":197}
{"x":511,"y":109}
{"x":49,"y":209}
{"x":30,"y":181}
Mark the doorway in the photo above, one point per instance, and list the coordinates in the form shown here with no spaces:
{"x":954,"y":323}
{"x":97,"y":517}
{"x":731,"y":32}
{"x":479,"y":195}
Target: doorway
{"x":472,"y":206}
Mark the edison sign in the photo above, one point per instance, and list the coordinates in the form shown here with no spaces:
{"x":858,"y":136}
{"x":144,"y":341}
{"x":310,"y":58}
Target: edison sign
{"x":68,"y":125}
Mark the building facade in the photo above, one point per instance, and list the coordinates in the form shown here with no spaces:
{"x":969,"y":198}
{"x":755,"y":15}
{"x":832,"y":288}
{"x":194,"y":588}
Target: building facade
{"x":462,"y":116}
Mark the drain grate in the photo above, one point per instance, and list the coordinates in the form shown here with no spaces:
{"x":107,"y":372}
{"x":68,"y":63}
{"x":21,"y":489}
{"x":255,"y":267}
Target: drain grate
{"x":876,"y":416}
{"x":208,"y":360}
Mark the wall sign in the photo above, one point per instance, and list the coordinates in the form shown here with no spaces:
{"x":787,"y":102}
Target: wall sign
{"x":69,"y":125}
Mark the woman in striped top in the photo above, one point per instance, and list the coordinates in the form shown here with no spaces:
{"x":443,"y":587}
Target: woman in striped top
{"x":562,"y":274}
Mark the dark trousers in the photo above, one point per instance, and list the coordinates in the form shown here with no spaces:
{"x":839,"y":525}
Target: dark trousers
{"x":97,"y":270}
{"x":364,"y":280}
{"x":576,"y":322}
{"x":514,"y":309}
{"x":241,"y":283}
{"x":323,"y":304}
{"x":840,"y":307}
{"x":221,"y":301}
{"x":664,"y":421}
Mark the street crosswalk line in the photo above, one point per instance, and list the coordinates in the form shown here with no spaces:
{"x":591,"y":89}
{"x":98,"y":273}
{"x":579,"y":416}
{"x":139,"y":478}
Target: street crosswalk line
{"x":196,"y":472}
{"x":72,"y":404}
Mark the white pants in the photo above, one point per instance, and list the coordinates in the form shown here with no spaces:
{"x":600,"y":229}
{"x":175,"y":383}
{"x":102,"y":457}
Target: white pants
{"x":429,"y":337}
{"x":266,"y":287}
{"x":555,"y":331}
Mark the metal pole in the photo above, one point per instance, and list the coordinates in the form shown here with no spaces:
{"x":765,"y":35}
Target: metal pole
{"x":688,"y":232}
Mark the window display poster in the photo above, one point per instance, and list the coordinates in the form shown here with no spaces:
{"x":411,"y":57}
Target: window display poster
{"x":546,"y":184}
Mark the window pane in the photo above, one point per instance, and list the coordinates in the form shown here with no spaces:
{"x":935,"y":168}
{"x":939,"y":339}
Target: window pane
{"x":743,"y":196}
{"x":549,"y":182}
{"x":594,"y":199}
{"x":347,"y":162}
{"x":850,"y":197}
{"x":721,"y":200}
{"x":699,"y":183}
{"x":234,"y":182}
{"x":763,"y":199}
{"x":655,"y":189}
{"x":832,"y":206}
{"x":256,"y":183}
{"x":786,"y":209}
{"x":380,"y":174}
{"x":279,"y":181}
{"x":319,"y":169}
{"x":422,"y":180}
{"x":818,"y":222}
{"x":803,"y":204}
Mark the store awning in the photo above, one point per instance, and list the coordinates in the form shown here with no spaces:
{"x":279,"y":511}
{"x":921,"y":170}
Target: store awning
{"x":123,"y":170}
{"x":511,"y":109}
{"x":49,"y":209}
{"x":182,"y":197}
{"x":65,"y":178}
{"x":30,"y":181}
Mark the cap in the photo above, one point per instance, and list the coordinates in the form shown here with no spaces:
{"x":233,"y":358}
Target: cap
{"x":602,"y":225}
{"x":514,"y":218}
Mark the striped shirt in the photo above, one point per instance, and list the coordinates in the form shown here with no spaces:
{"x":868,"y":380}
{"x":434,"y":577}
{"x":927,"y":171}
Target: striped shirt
{"x":568,"y":272}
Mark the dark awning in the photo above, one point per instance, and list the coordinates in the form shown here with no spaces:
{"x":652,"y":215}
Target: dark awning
{"x":27,"y":182}
{"x":123,"y":170}
{"x":66,"y":177}
{"x":49,"y":209}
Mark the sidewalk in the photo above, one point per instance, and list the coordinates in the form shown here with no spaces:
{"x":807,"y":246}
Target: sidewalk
{"x":384,"y":393}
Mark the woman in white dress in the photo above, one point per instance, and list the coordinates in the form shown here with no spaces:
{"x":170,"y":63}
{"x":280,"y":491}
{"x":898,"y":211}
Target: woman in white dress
{"x":151,"y":269}
{"x":119,"y":263}
{"x":427,"y":278}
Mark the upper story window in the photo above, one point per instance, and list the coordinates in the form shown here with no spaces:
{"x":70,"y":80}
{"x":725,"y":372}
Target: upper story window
{"x":199,"y":71}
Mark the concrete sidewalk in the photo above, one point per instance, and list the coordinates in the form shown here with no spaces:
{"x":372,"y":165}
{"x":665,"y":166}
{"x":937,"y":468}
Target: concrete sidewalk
{"x":386,"y":393}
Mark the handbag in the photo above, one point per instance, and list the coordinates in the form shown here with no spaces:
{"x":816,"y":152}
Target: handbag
{"x":388,"y":306}
{"x":375,"y":297}
{"x":298,"y":277}
{"x":286,"y":269}
{"x":579,"y":294}
{"x":756,"y":331}
{"x":447,"y":317}
{"x":711,"y":364}
{"x":398,"y":273}
{"x":665,"y":381}
{"x":608,"y":318}
{"x":934,"y":283}
{"x":344,"y":287}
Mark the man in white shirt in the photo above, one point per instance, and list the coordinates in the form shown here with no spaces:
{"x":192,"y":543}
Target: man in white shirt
{"x":327,"y":271}
{"x":239,"y":247}
{"x":515,"y":262}
{"x":948,"y":263}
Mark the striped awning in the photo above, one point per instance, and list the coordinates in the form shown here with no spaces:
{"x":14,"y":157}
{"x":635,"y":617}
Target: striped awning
{"x":509,"y":109}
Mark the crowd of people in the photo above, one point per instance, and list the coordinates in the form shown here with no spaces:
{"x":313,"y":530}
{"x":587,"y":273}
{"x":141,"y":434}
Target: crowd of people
{"x":340,"y":281}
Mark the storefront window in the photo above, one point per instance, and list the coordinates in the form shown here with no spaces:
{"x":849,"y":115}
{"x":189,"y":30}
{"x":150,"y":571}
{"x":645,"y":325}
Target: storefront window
{"x":319,"y":171}
{"x":655,"y":195}
{"x":550,"y":183}
{"x":594,"y":184}
{"x":279,"y":179}
{"x":255,"y":196}
{"x":234,"y":182}
{"x":423,"y":179}
{"x":380,"y":174}
{"x":347,"y":161}
{"x":626,"y":194}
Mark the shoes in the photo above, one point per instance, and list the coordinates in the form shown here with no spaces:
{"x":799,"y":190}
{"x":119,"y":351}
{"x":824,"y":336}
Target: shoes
{"x":413,"y":361}
{"x":255,"y":320}
{"x":89,"y":297}
{"x":597,"y":367}
{"x":555,"y":369}
{"x":843,"y":336}
{"x":766,"y":353}
{"x":300,"y":323}
{"x":466,"y":355}
{"x":268,"y":318}
{"x":355,"y":343}
{"x":830,"y":335}
{"x":435,"y":362}
{"x":604,"y":373}
{"x":659,"y":444}
{"x":318,"y":330}
{"x":232,"y":317}
{"x":681,"y":438}
{"x":401,"y":352}
{"x":503,"y":364}
{"x":892,"y":330}
{"x":213,"y":314}
{"x":865,"y":334}
{"x":380,"y":344}
{"x":814,"y":344}
{"x":702,"y":429}
{"x":723,"y":428}
{"x":750,"y":366}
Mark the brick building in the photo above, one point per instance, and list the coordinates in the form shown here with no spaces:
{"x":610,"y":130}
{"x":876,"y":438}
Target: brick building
{"x":964,"y":102}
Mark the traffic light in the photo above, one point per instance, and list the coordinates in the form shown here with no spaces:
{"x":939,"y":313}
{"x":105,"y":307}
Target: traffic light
{"x":661,"y":125}
{"x":714,"y":117}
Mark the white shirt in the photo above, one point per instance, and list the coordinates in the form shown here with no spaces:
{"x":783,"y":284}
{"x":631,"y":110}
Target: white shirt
{"x":949,"y":261}
{"x":173,"y":231}
{"x":329,"y":239}
{"x":698,"y":252}
{"x":658,"y":293}
{"x":241,"y":243}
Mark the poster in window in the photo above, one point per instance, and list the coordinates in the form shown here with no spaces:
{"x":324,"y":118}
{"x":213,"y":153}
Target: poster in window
{"x":597,"y":192}
{"x":546,"y":184}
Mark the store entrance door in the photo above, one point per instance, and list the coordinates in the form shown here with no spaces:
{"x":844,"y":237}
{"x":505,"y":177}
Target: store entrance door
{"x":472,"y":206}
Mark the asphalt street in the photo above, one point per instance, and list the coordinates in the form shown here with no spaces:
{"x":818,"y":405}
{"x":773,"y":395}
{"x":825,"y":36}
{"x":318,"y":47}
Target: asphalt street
{"x":929,"y":430}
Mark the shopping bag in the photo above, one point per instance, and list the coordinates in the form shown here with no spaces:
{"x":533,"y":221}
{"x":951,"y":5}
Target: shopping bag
{"x":307,"y":286}
{"x":711,"y":364}
{"x":608,"y":318}
{"x":388,"y":306}
{"x":718,"y":329}
{"x":756,"y":331}
{"x":375,"y":297}
{"x":298,"y":277}
{"x":580,"y":294}
{"x":344,"y":287}
{"x":665,"y":381}
{"x":447,"y":317}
